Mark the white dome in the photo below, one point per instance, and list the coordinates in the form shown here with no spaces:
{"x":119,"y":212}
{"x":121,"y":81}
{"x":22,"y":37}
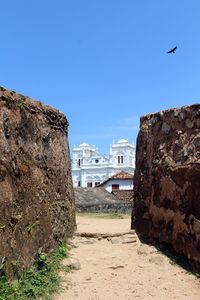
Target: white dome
{"x":83,"y":145}
{"x":122,"y":141}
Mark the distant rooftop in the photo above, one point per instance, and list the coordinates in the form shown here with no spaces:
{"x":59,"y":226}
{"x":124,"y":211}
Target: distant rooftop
{"x":120,"y":175}
{"x":83,"y":145}
{"x":122,"y":141}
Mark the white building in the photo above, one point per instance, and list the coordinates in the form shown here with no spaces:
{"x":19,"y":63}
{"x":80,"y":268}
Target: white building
{"x":89,"y":168}
{"x":122,"y":181}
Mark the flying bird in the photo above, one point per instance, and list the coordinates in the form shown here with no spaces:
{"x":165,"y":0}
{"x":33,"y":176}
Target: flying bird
{"x":173,"y":50}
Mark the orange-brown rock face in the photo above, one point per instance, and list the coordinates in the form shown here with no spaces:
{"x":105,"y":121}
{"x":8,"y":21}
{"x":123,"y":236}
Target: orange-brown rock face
{"x":36,"y":192}
{"x":167,"y":180}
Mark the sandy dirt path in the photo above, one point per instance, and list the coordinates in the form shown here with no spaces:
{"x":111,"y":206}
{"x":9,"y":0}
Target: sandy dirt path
{"x":119,"y":268}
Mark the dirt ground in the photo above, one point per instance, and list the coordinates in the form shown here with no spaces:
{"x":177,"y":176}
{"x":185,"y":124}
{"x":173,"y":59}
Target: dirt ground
{"x":122,"y":267}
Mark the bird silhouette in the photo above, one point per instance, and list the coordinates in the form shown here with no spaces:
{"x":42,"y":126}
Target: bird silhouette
{"x":173,"y":50}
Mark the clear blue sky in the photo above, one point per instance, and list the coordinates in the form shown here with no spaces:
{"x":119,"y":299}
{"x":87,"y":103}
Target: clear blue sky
{"x":103,"y":63}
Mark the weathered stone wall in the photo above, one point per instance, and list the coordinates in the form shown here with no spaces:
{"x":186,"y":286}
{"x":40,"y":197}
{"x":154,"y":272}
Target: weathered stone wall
{"x":93,"y":195}
{"x":36,"y":192}
{"x":98,"y":200}
{"x":108,"y":208}
{"x":167,"y":180}
{"x":124,"y":195}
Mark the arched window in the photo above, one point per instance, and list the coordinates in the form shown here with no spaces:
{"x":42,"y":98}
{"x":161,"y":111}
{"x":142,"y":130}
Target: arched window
{"x":78,"y":181}
{"x":89,"y":181}
{"x":96,"y":180}
{"x":79,"y":161}
{"x":120,"y":158}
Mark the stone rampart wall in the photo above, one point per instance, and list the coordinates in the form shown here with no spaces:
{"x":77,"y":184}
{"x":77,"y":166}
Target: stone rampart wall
{"x":120,"y":208}
{"x":36,"y":192}
{"x":124,"y":195}
{"x":167,"y":180}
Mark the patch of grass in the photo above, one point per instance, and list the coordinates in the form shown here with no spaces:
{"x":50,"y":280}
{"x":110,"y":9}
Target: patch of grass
{"x":31,"y":226}
{"x":105,"y":216}
{"x":21,"y":106}
{"x":40,"y":281}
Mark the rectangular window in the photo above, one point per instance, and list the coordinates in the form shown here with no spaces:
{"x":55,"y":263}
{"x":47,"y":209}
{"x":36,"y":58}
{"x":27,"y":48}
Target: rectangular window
{"x":79,"y":162}
{"x":89,"y":184}
{"x":115,"y":187}
{"x":79,"y":183}
{"x":120,"y":159}
{"x":96,"y":183}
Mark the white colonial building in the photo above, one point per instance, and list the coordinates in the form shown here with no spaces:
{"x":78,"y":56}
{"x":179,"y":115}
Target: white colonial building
{"x":90,"y":168}
{"x":122,"y":181}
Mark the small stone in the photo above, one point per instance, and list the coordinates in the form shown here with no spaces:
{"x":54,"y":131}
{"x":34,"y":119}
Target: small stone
{"x":128,"y":241}
{"x":88,"y":242}
{"x":165,"y":128}
{"x":189,"y":124}
{"x":175,"y":112}
{"x":183,"y":113}
{"x":76,"y":265}
{"x":72,"y":262}
{"x":114,"y":241}
{"x":69,"y":242}
{"x":116,"y":267}
{"x":88,"y":278}
{"x":144,"y":266}
{"x":197,"y":141}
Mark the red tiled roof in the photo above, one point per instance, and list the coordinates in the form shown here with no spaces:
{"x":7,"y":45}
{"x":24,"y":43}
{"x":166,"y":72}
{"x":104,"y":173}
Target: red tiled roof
{"x":120,"y":175}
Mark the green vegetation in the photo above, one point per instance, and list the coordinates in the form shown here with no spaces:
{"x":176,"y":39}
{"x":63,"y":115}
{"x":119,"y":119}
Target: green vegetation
{"x":40,"y":281}
{"x":20,"y":105}
{"x":2,"y":263}
{"x":105,"y":216}
{"x":16,"y":204}
{"x":31,"y":226}
{"x":20,"y":154}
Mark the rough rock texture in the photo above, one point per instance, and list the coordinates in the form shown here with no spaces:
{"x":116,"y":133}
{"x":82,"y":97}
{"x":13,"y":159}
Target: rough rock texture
{"x":124,"y":195}
{"x":167,"y":180}
{"x":98,"y":200}
{"x":36,"y":192}
{"x":107,"y":208}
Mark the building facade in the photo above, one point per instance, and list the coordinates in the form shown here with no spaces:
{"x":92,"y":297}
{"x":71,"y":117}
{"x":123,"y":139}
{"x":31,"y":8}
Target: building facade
{"x":90,"y":168}
{"x":120,"y":185}
{"x":119,"y":181}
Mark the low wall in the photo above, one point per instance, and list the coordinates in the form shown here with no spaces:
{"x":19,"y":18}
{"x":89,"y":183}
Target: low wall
{"x":93,"y":195}
{"x":124,"y":195}
{"x":36,"y":192}
{"x":120,"y":208}
{"x":167,"y":180}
